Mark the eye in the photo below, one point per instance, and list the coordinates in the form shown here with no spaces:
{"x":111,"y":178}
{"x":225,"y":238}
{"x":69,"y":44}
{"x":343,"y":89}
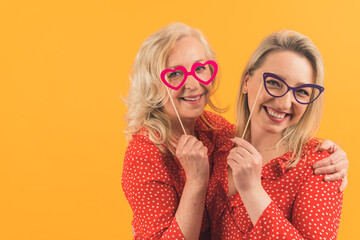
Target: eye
{"x":174,"y":74}
{"x":303,"y":92}
{"x":200,"y":69}
{"x":273,"y":83}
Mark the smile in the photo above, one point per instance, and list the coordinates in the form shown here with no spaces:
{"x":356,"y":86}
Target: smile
{"x":191,"y":99}
{"x":276,"y":116}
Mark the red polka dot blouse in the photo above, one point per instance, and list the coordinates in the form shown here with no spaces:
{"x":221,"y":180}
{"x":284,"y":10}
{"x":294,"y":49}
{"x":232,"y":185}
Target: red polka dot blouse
{"x":153,"y":182}
{"x":303,"y":205}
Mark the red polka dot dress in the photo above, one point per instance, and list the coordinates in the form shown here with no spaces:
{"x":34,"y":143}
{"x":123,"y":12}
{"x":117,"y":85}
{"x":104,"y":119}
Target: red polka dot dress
{"x":153,"y":182}
{"x":303,"y":205}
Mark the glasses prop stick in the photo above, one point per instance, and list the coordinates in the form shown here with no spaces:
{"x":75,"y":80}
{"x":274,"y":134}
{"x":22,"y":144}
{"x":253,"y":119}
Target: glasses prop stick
{"x":252,"y":109}
{"x":177,"y":114}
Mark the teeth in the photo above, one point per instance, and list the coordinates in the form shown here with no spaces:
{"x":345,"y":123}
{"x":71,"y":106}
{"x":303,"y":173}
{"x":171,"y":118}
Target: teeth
{"x":277,"y":115}
{"x":192,"y":99}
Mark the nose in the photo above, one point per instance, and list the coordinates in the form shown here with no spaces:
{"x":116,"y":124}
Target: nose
{"x":284,"y":103}
{"x":191,"y":83}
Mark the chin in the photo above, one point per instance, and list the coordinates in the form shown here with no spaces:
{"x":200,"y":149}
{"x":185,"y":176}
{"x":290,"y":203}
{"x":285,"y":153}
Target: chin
{"x":194,"y":115}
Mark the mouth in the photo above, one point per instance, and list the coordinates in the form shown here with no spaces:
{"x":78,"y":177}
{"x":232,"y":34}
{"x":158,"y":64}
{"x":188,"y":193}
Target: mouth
{"x":194,"y":99}
{"x":276,"y":115}
{"x":191,"y":98}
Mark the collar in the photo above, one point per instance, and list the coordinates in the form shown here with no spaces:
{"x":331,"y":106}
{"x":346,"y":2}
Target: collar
{"x":276,"y":168}
{"x":200,"y":125}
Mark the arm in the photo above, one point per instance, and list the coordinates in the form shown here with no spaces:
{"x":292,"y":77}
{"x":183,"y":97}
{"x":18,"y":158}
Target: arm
{"x":158,"y":211}
{"x":316,"y":210}
{"x":336,"y":165}
{"x":193,"y":157}
{"x":150,"y":192}
{"x":316,"y":214}
{"x":246,"y":163}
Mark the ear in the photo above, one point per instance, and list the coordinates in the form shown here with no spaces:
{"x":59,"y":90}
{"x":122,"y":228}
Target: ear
{"x":245,"y":84}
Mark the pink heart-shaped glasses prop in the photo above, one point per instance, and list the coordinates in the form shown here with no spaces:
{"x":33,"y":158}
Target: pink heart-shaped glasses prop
{"x":180,"y":74}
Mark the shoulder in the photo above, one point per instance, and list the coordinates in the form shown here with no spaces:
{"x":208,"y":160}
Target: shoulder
{"x":141,"y":147}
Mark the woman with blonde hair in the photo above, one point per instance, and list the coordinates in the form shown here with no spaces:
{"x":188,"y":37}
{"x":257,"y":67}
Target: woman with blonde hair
{"x":265,"y":187}
{"x":172,"y":138}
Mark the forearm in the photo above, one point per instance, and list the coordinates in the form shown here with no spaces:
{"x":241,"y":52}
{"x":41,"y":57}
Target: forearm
{"x":191,"y":208}
{"x":255,"y":202}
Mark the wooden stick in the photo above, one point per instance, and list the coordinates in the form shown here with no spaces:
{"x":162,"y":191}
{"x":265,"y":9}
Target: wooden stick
{"x":177,"y":114}
{"x":252,"y":109}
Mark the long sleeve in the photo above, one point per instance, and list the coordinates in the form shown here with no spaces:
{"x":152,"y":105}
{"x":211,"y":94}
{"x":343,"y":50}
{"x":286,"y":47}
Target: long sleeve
{"x":303,"y":205}
{"x":316,"y":214}
{"x":150,"y":191}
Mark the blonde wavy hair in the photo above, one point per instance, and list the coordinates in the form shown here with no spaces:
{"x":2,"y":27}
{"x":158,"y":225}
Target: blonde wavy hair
{"x":147,"y":94}
{"x":298,"y":134}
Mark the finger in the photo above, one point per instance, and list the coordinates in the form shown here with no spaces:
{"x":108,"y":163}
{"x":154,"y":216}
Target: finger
{"x":243,"y":153}
{"x":234,"y":156}
{"x":327,"y":170}
{"x":190,"y":143}
{"x":245,"y":144}
{"x":230,"y":163}
{"x":343,"y":185}
{"x":197,"y":145}
{"x":334,"y":177}
{"x":330,"y":160}
{"x":237,"y":153}
{"x":340,"y":155}
{"x":326,"y":145}
{"x":183,"y":145}
{"x":203,"y":151}
{"x":339,"y":166}
{"x":183,"y":140}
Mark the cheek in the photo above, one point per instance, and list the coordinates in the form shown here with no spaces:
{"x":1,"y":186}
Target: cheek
{"x":263,"y":98}
{"x":208,"y":87}
{"x":300,"y":110}
{"x":207,"y":91}
{"x":168,"y":108}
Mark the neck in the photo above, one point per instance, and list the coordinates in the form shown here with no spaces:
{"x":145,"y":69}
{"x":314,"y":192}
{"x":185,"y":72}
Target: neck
{"x":263,"y":141}
{"x":266,"y":143}
{"x":178,"y":131}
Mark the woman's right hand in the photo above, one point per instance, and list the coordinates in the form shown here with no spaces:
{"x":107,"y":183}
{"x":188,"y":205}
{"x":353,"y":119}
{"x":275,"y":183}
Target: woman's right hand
{"x":193,"y":156}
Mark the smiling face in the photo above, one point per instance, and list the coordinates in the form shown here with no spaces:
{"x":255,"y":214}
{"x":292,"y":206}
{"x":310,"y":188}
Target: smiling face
{"x":191,"y":99}
{"x":274,"y":115}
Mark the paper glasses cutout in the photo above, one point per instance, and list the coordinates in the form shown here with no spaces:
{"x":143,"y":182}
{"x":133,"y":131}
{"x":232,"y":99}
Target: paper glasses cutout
{"x":203,"y":72}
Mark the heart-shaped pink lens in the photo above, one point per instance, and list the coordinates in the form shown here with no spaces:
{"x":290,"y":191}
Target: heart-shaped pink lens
{"x":174,"y":78}
{"x":206,"y":72}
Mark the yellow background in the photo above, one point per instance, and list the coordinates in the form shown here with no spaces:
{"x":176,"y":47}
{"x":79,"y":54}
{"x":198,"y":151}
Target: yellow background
{"x":64,"y":66}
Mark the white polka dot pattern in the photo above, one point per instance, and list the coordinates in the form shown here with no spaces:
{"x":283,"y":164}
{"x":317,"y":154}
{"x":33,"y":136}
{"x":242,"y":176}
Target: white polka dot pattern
{"x":303,"y":205}
{"x":153,"y":183}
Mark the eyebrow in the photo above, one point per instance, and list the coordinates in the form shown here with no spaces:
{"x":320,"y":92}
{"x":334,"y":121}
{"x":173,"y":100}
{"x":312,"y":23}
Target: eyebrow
{"x":200,"y":60}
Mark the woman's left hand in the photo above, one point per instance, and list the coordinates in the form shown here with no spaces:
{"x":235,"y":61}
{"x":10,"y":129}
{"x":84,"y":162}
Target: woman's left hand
{"x":246,"y":163}
{"x":336,"y":164}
